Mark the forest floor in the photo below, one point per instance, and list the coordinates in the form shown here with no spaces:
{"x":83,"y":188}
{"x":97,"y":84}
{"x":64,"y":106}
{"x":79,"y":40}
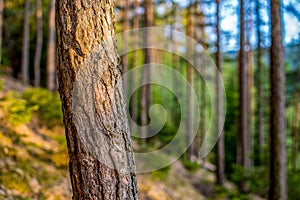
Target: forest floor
{"x":34,"y":165}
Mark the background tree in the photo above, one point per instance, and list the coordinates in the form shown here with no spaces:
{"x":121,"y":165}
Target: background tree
{"x":51,"y":52}
{"x":219,"y":105}
{"x":1,"y":27}
{"x":25,"y":49}
{"x":39,"y":44}
{"x":278,"y":184}
{"x":82,"y":56}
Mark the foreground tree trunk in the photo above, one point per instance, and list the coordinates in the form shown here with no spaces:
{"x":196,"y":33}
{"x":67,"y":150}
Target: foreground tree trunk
{"x":90,"y":87}
{"x":278,"y":184}
{"x":25,"y":48}
{"x":219,"y":104}
{"x":51,"y":53}
{"x":39,"y":44}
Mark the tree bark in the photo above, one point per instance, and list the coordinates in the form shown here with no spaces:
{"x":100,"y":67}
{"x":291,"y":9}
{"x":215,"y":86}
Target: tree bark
{"x":90,"y":87}
{"x":295,"y":129}
{"x":278,"y":184}
{"x":242,"y":145}
{"x":189,"y":124}
{"x":25,"y":48}
{"x":250,"y":107}
{"x":1,"y":27}
{"x":146,"y":89}
{"x":39,"y":44}
{"x":259,"y":126}
{"x":219,"y":105}
{"x":51,"y":53}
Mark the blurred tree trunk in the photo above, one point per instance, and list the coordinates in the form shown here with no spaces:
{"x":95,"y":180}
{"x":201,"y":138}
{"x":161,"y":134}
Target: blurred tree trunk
{"x":146,"y":74}
{"x":250,"y":107}
{"x":1,"y":27}
{"x":242,"y":145}
{"x":86,"y":58}
{"x":25,"y":48}
{"x":125,"y":39}
{"x":39,"y":44}
{"x":259,"y":126}
{"x":278,"y":161}
{"x":295,"y":129}
{"x":51,"y":52}
{"x":134,"y":64}
{"x":219,"y":105}
{"x":189,"y":124}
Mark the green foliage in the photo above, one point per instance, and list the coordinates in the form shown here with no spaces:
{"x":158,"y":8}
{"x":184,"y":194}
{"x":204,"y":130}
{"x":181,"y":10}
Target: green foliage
{"x":189,"y":165}
{"x":16,"y":110}
{"x":161,"y":174}
{"x":49,"y":105}
{"x":256,"y":178}
{"x":293,"y":185}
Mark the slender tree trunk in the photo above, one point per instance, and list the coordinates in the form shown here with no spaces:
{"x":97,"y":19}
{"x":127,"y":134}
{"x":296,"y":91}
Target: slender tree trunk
{"x":219,"y":105}
{"x":146,"y":89}
{"x":242,"y":145}
{"x":250,"y":107}
{"x":259,"y":126}
{"x":278,"y":184}
{"x":134,"y":63}
{"x":51,"y":53}
{"x":295,"y":129}
{"x":1,"y":27}
{"x":90,"y":87}
{"x":39,"y":44}
{"x":189,"y":124}
{"x":25,"y":49}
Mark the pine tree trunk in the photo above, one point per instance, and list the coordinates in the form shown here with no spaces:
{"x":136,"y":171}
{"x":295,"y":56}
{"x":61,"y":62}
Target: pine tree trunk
{"x":39,"y":44}
{"x":250,"y":107}
{"x":1,"y":27}
{"x":278,"y":161}
{"x":259,"y":126}
{"x":146,"y":89}
{"x":219,"y":105}
{"x":90,"y":87}
{"x":25,"y":48}
{"x":189,"y":124}
{"x":51,"y":52}
{"x":242,"y":145}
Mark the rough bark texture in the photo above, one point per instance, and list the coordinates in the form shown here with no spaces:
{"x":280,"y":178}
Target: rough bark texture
{"x":100,"y":151}
{"x":219,"y":105}
{"x":189,"y":124}
{"x":25,"y":48}
{"x":259,"y":112}
{"x":295,"y":129}
{"x":1,"y":27}
{"x":51,"y":53}
{"x":39,"y":44}
{"x":278,"y":185}
{"x":146,"y":89}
